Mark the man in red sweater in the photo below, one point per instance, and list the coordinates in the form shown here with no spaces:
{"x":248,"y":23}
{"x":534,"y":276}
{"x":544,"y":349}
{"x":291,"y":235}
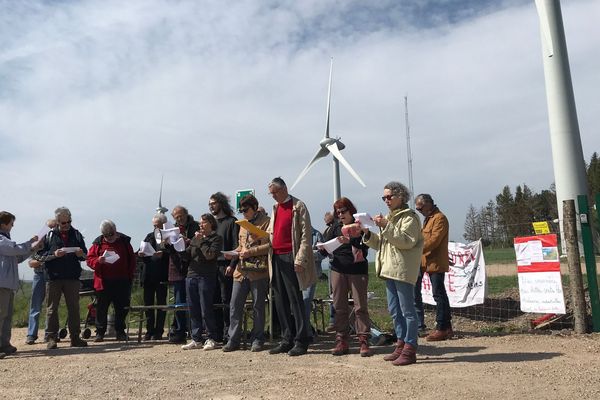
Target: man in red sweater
{"x":113,"y":261}
{"x":291,"y":267}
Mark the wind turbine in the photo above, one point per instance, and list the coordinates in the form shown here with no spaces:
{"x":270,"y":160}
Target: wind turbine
{"x":160,"y":208}
{"x":333,"y":146}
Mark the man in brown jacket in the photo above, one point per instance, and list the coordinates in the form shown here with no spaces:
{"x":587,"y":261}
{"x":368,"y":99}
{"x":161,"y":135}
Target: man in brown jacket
{"x":434,"y":261}
{"x":291,"y":267}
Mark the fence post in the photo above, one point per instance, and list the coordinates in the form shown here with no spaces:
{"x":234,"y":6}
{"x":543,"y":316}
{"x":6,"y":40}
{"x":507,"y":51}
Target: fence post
{"x":575,"y":278}
{"x":590,"y":259}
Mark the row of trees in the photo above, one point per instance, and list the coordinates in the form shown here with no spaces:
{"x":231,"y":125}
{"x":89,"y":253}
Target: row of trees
{"x":510,"y":215}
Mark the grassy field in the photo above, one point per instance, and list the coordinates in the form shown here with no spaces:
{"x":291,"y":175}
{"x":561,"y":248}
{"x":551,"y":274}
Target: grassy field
{"x":500,"y":256}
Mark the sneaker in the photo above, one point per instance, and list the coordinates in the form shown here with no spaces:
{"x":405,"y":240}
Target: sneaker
{"x":30,"y":340}
{"x":8,"y":349}
{"x":78,"y":342}
{"x":257,"y":346}
{"x":281,"y":348}
{"x":99,"y":338}
{"x":230,"y":346}
{"x":209,"y":344}
{"x":191,"y":345}
{"x":297,"y":350}
{"x":51,"y":344}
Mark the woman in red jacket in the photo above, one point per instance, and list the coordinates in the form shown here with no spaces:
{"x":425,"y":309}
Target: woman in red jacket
{"x":113,"y":261}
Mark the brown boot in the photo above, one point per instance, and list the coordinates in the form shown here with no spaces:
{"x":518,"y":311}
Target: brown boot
{"x":408,"y":356}
{"x":437,"y":336}
{"x":341,"y":345}
{"x":365,"y":351}
{"x":397,"y":351}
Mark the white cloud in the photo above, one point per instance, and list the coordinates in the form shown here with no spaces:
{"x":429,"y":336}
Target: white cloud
{"x":99,"y":99}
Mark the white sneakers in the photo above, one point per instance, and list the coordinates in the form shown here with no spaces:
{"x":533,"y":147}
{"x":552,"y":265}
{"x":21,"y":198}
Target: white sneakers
{"x":208,"y":345}
{"x":191,"y":345}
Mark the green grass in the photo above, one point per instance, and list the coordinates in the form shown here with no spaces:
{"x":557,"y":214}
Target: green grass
{"x":500,"y":256}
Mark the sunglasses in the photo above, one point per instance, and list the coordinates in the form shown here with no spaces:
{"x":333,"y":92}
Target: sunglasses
{"x":243,"y":210}
{"x":341,"y":211}
{"x":387,"y":198}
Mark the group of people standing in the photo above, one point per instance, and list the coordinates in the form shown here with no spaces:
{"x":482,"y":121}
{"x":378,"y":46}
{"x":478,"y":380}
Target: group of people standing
{"x":222,"y":263}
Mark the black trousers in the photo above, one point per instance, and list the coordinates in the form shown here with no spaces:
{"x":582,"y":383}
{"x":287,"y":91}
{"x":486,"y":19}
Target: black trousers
{"x":117,"y":292}
{"x":289,"y":301}
{"x":155,"y":293}
{"x":222,"y":296}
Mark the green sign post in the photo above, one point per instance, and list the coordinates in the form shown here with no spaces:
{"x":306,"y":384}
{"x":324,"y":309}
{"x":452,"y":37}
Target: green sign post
{"x":590,"y":259}
{"x":239,"y":194}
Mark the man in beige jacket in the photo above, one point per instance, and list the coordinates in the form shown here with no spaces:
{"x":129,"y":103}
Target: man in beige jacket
{"x":291,"y":267}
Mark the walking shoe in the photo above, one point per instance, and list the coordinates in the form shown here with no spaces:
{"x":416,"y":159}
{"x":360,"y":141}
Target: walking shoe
{"x":30,"y":340}
{"x":177,"y":339}
{"x":281,"y":348}
{"x":76,"y":341}
{"x":2,"y":355}
{"x":298,"y":350}
{"x":437,"y":336}
{"x":51,"y":344}
{"x":408,"y":356}
{"x":209,"y":345}
{"x":157,"y":337}
{"x":341,"y":345}
{"x":230,"y":346}
{"x":99,"y":338}
{"x":148,"y":336}
{"x":191,"y":345}
{"x":397,"y":351}
{"x":122,"y":337}
{"x":257,"y":346}
{"x":8,"y":349}
{"x":365,"y":351}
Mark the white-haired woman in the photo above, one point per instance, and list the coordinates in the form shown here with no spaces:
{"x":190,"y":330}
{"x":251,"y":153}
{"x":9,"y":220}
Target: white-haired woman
{"x":399,"y":244}
{"x":112,"y":276}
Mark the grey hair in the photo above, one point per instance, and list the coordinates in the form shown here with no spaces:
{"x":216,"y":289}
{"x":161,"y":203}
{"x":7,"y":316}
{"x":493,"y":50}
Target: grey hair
{"x":107,"y":226}
{"x":62,"y":211}
{"x":280,"y":183}
{"x":398,"y":190}
{"x":160,"y":217}
{"x":426,"y":197}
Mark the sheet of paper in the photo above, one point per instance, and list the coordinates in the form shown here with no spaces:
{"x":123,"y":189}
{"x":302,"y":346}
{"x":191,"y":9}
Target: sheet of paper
{"x":231,"y":253}
{"x":168,"y":225}
{"x":171,"y":235}
{"x":244,"y":223}
{"x":147,"y":249}
{"x":70,"y":249}
{"x":365,"y":220}
{"x":179,"y":245}
{"x":110,"y":256}
{"x":523,"y":253}
{"x":329,"y":246}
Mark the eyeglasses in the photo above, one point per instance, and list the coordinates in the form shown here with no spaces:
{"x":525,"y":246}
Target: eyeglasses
{"x":341,"y":211}
{"x":389,"y":197}
{"x":65,"y":222}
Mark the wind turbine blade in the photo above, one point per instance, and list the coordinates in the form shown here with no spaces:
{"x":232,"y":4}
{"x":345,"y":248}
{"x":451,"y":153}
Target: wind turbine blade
{"x":320,"y":154}
{"x":160,"y":195}
{"x":329,"y":99}
{"x":333,"y":148}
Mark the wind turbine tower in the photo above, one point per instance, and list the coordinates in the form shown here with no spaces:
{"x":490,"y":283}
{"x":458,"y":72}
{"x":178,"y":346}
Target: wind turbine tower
{"x":334,"y":146}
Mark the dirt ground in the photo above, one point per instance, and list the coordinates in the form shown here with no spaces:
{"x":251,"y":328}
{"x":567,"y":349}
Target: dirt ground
{"x":549,"y":366}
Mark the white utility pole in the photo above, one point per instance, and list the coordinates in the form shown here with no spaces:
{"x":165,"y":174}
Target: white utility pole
{"x":408,"y":150}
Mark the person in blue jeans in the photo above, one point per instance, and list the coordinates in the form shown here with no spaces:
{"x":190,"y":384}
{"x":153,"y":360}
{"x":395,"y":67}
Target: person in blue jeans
{"x":399,"y":246}
{"x":38,"y":294}
{"x":309,"y":294}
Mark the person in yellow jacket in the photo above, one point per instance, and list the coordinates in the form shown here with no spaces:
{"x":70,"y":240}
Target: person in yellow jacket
{"x":399,"y":246}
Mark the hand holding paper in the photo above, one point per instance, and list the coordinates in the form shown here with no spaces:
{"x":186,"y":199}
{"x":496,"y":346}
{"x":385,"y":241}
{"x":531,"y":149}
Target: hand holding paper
{"x":146,"y":249}
{"x":110,"y":256}
{"x":365,"y":220}
{"x":329,"y":246}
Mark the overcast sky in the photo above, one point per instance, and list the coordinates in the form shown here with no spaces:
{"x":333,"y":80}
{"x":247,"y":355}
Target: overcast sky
{"x":98,"y":99}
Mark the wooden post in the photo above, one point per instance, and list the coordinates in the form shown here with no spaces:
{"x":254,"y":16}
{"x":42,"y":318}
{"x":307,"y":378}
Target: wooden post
{"x":575,"y":277}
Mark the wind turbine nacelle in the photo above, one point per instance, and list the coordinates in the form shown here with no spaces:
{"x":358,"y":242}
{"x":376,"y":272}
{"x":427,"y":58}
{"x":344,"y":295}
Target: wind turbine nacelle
{"x":327,"y":141}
